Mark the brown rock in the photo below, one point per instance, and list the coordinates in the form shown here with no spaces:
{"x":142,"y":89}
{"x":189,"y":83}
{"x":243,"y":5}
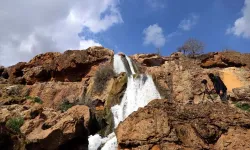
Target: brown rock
{"x":54,"y":93}
{"x":49,"y":129}
{"x":225,"y":59}
{"x":71,"y":66}
{"x":149,"y":59}
{"x":242,"y":93}
{"x":236,"y":138}
{"x":16,"y":73}
{"x":170,"y":126}
{"x":3,"y":72}
{"x":57,"y":128}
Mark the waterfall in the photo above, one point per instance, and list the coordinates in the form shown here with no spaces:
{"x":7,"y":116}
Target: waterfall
{"x":130,"y":64}
{"x":139,"y":92}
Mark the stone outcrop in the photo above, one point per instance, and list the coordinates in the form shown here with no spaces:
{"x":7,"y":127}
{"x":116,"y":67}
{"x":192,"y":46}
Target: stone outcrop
{"x":149,"y":60}
{"x":53,"y":94}
{"x":179,"y":78}
{"x":101,"y":102}
{"x":241,"y":94}
{"x":63,"y":80}
{"x":16,"y":73}
{"x":3,"y":72}
{"x":46,"y":128}
{"x":71,"y":66}
{"x":164,"y":125}
{"x":225,"y":59}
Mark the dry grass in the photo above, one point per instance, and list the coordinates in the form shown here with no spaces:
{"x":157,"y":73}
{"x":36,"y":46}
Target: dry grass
{"x":102,"y":75}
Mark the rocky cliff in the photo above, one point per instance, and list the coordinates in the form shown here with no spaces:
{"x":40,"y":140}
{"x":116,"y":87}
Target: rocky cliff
{"x":164,"y":125}
{"x":55,"y":101}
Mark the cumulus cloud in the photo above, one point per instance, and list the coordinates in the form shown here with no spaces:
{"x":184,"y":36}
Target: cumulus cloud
{"x":31,"y":27}
{"x":242,"y":25}
{"x":154,"y":35}
{"x":187,"y":23}
{"x":84,"y":44}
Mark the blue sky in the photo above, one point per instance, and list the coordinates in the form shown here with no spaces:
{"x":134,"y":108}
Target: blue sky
{"x":129,"y":26}
{"x":214,"y":18}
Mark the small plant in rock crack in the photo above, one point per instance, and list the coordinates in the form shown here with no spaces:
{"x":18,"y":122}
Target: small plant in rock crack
{"x":14,"y":124}
{"x":35,"y":99}
{"x":243,"y":106}
{"x":65,"y":105}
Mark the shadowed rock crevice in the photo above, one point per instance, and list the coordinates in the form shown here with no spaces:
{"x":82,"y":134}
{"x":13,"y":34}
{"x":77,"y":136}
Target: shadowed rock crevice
{"x":6,"y":143}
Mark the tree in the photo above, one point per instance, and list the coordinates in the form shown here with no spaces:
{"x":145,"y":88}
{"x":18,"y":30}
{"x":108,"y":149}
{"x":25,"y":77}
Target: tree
{"x":192,"y":47}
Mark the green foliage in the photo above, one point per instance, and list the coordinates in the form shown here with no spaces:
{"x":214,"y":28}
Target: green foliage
{"x":38,"y":100}
{"x":28,"y":97}
{"x":15,"y":124}
{"x":102,"y":76}
{"x":243,"y":106}
{"x":35,"y":99}
{"x":65,"y":106}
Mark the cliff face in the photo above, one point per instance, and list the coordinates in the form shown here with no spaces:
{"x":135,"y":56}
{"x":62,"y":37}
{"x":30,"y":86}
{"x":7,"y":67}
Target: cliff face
{"x":164,"y":125}
{"x":71,"y":66}
{"x":55,"y":95}
{"x":178,"y":78}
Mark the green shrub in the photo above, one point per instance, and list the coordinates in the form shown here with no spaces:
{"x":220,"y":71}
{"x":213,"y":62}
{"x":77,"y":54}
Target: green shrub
{"x":243,"y":106}
{"x":65,"y":106}
{"x":102,"y":76}
{"x":28,"y":97}
{"x":35,"y":99}
{"x":15,"y":123}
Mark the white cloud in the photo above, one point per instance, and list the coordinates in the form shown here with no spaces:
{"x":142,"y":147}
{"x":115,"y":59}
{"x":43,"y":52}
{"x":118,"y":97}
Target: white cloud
{"x":154,"y":35}
{"x":84,"y":44}
{"x":31,"y":27}
{"x":242,"y":25}
{"x":156,"y":4}
{"x":187,"y":23}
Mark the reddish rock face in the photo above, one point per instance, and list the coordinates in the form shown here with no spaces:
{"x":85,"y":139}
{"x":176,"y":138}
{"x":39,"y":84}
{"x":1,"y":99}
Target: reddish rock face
{"x":164,"y":125}
{"x":46,"y":128}
{"x":71,"y":66}
{"x":225,"y":59}
{"x":149,"y":60}
{"x":16,"y":73}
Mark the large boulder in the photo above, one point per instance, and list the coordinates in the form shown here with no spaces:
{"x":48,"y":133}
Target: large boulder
{"x":11,"y":94}
{"x":225,"y":59}
{"x":241,"y":94}
{"x":16,"y":73}
{"x":71,"y":66}
{"x":46,"y":128}
{"x":58,"y":130}
{"x":164,"y":125}
{"x":149,"y":59}
{"x":3,"y":72}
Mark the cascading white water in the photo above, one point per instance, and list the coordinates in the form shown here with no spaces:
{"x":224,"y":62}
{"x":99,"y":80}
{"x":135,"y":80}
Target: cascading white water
{"x":140,"y":91}
{"x":118,"y":64}
{"x":130,"y":64}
